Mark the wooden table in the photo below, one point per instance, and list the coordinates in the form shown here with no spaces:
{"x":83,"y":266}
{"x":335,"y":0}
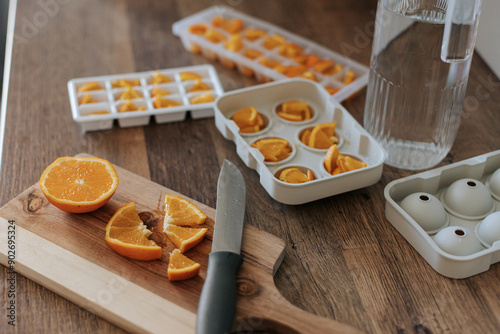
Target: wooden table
{"x":343,"y":259}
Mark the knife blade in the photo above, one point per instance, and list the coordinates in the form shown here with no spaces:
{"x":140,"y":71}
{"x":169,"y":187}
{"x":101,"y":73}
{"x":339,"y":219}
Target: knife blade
{"x":218,"y":297}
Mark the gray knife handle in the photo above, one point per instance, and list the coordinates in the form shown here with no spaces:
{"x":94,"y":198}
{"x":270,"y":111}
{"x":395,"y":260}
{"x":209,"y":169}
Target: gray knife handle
{"x":218,"y":296}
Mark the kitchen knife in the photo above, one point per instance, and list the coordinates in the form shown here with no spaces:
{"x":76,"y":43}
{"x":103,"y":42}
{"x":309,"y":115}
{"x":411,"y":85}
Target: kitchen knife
{"x":218,"y":296}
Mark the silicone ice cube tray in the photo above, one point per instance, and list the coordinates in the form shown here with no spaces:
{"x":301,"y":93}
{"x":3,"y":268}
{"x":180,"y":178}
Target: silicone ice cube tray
{"x":101,"y":114}
{"x":354,"y":140}
{"x":436,"y":182}
{"x":247,"y":66}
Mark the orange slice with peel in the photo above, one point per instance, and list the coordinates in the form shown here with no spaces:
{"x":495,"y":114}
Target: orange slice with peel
{"x":184,"y":238}
{"x":179,"y":211}
{"x":331,"y":156}
{"x":127,"y":235}
{"x":347,"y":164}
{"x":319,"y":139}
{"x":184,"y":76}
{"x":89,"y":86}
{"x":79,"y":184}
{"x":273,"y":149}
{"x":295,"y":175}
{"x":181,"y":267}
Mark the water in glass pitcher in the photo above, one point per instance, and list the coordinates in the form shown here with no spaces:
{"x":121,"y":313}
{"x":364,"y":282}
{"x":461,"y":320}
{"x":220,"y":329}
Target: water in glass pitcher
{"x":414,"y":97}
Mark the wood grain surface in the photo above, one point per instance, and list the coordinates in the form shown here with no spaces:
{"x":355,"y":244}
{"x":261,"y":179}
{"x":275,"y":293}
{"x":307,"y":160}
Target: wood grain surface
{"x":343,"y":260}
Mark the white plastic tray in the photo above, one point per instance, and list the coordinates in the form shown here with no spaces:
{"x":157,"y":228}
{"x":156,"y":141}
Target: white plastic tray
{"x":215,"y":51}
{"x":435,"y":182}
{"x":107,"y":98}
{"x":356,"y":141}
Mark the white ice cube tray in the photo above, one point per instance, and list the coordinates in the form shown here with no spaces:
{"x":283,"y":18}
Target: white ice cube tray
{"x":435,"y":182}
{"x":215,"y":51}
{"x":354,"y":140}
{"x":107,"y":98}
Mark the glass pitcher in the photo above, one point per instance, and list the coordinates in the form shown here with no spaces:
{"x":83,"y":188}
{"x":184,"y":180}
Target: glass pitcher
{"x":421,"y":55}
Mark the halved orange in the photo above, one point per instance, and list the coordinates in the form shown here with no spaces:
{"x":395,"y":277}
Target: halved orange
{"x":184,"y":238}
{"x":180,"y":211}
{"x":127,"y":235}
{"x":79,"y":184}
{"x":181,"y":267}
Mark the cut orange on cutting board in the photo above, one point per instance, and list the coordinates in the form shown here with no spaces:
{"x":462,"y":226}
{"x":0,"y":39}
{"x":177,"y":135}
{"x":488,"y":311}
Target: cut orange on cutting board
{"x":127,"y":235}
{"x":184,"y":238}
{"x":79,"y":184}
{"x":181,"y":267}
{"x":181,"y":212}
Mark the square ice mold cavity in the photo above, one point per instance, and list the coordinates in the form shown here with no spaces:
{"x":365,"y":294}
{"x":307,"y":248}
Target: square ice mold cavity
{"x":97,"y":109}
{"x":355,"y":140}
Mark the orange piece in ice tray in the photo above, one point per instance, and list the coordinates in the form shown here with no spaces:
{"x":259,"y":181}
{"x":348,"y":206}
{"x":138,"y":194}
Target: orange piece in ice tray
{"x":332,"y":90}
{"x":157,"y":91}
{"x":161,"y":102}
{"x":295,"y":111}
{"x":248,"y":120}
{"x":90,"y":86}
{"x":295,"y":175}
{"x":126,"y":83}
{"x":289,"y":50}
{"x":197,"y":29}
{"x":252,"y":54}
{"x":159,"y":78}
{"x":214,"y":36}
{"x":324,"y":67}
{"x":273,"y":41}
{"x":268,"y":62}
{"x":234,"y":43}
{"x":99,"y":112}
{"x":307,"y":60}
{"x":253,"y":34}
{"x":337,"y":163}
{"x":322,"y":136}
{"x":199,"y":86}
{"x":349,"y":77}
{"x":233,"y":26}
{"x":273,"y":149}
{"x":129,"y":94}
{"x":185,"y":76}
{"x":203,"y":98}
{"x":308,"y":75}
{"x":87,"y":99}
{"x":130,"y":106}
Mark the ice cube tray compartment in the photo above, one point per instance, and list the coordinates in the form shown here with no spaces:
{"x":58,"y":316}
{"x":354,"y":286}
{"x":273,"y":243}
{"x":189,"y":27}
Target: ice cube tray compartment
{"x":436,"y":182}
{"x":106,"y":105}
{"x":356,"y":141}
{"x":246,"y":66}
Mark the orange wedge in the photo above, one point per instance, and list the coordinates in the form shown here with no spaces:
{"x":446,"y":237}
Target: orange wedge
{"x":157,"y":91}
{"x":295,"y":175}
{"x":181,"y":267}
{"x":253,"y":34}
{"x":319,"y":139}
{"x":100,"y":112}
{"x":161,"y":102}
{"x":197,"y":29}
{"x":304,"y":137}
{"x":89,"y":86}
{"x":127,"y":235}
{"x":181,"y":212}
{"x":159,"y":78}
{"x":199,"y":86}
{"x":129,"y":94}
{"x":184,"y":238}
{"x":273,"y":149}
{"x":184,"y":76}
{"x":87,"y":99}
{"x":126,"y":83}
{"x":331,"y":156}
{"x":234,"y":26}
{"x":348,"y":164}
{"x":245,"y":116}
{"x":79,"y":185}
{"x":203,"y":98}
{"x":130,"y":106}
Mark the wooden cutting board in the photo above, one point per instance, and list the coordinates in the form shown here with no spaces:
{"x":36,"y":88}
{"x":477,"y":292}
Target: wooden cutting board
{"x":67,"y":254}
